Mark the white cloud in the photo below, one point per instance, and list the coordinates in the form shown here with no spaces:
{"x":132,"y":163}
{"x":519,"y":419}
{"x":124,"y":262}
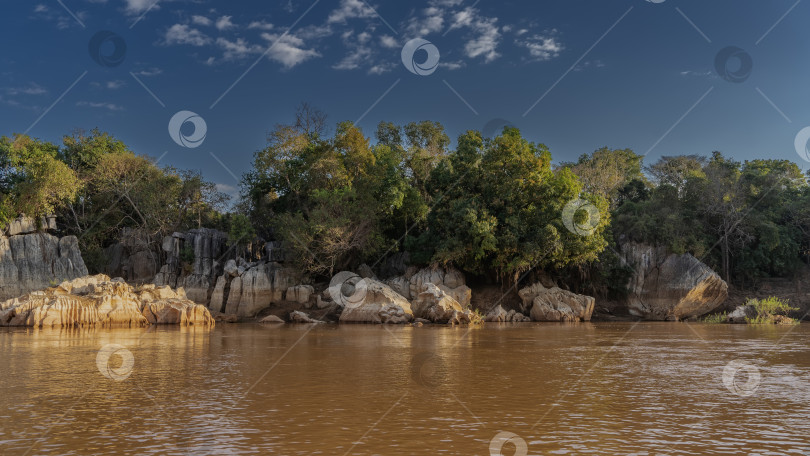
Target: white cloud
{"x":113,"y":85}
{"x":149,"y":72}
{"x":201,"y":20}
{"x":389,"y":42}
{"x":136,"y":7}
{"x":350,"y":9}
{"x":40,"y":9}
{"x":31,"y":89}
{"x":381,"y":68}
{"x":238,"y":48}
{"x":289,"y":50}
{"x":261,"y":25}
{"x":458,"y":64}
{"x":100,"y":105}
{"x":224,"y":23}
{"x":541,"y":47}
{"x":486,"y":42}
{"x":183,"y":34}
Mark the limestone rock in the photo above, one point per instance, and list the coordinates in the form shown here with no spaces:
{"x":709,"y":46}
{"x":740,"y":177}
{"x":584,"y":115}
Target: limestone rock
{"x":740,"y":314}
{"x":555,"y":304}
{"x":434,"y":304}
{"x":500,"y":315}
{"x":36,"y":261}
{"x":380,"y":304}
{"x":101,"y":301}
{"x":271,"y":319}
{"x":451,"y":279}
{"x":297,"y":316}
{"x":670,"y":286}
{"x":365,"y":272}
{"x":300,"y":293}
{"x":400,"y":285}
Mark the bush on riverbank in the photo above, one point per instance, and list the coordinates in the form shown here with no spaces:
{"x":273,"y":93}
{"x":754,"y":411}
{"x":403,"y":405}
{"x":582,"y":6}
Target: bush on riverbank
{"x":771,"y":311}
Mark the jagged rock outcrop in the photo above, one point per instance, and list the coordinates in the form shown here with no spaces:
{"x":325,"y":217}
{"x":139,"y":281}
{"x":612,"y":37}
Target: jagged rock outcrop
{"x":101,"y":301}
{"x":299,"y":293}
{"x":379,"y":304}
{"x":434,"y":304}
{"x":555,"y":304}
{"x":670,"y":286}
{"x":27,"y":225}
{"x":35,"y":261}
{"x":132,"y":257}
{"x":499,"y":315}
{"x":206,"y":251}
{"x":252,"y":287}
{"x":413,"y":282}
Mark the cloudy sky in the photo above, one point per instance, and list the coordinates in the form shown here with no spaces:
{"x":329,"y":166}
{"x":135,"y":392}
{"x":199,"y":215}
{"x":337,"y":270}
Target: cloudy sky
{"x":662,"y":77}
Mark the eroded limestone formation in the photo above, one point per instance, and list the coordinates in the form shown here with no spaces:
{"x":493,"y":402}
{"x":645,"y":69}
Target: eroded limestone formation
{"x":101,"y":301}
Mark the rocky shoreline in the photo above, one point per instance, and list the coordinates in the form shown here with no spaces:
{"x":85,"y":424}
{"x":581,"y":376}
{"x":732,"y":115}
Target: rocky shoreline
{"x":202,"y":280}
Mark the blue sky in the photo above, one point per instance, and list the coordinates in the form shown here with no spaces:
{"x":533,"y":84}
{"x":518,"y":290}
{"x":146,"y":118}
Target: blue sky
{"x":619,"y":73}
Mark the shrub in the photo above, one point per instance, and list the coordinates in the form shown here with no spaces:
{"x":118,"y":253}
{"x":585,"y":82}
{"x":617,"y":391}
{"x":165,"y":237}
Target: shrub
{"x":771,"y":311}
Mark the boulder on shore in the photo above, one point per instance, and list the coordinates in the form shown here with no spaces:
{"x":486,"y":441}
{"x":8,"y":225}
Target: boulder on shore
{"x":379,"y":304}
{"x":499,"y":315}
{"x":555,"y":304}
{"x":434,"y":304}
{"x":668,"y":286}
{"x":101,"y":301}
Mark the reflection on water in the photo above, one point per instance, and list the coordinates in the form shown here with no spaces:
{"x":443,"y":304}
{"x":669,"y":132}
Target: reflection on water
{"x":596,"y":388}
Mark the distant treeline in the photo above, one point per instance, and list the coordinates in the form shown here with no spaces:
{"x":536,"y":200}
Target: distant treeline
{"x":495,"y":207}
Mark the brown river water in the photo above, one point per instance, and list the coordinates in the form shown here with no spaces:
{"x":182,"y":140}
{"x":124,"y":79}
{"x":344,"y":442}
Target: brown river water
{"x":525,"y":389}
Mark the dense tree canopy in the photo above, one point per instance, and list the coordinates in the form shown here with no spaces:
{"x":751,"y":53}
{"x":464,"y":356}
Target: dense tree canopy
{"x":494,"y":207}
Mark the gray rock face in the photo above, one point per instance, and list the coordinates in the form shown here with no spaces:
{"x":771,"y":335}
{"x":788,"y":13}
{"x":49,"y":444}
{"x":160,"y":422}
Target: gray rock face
{"x":132,"y":258}
{"x":206,"y":249}
{"x":380,"y":304}
{"x":741,"y":313}
{"x":669,"y":286}
{"x":27,"y":225}
{"x":555,"y":304}
{"x":32,"y":262}
{"x":246,"y":292}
